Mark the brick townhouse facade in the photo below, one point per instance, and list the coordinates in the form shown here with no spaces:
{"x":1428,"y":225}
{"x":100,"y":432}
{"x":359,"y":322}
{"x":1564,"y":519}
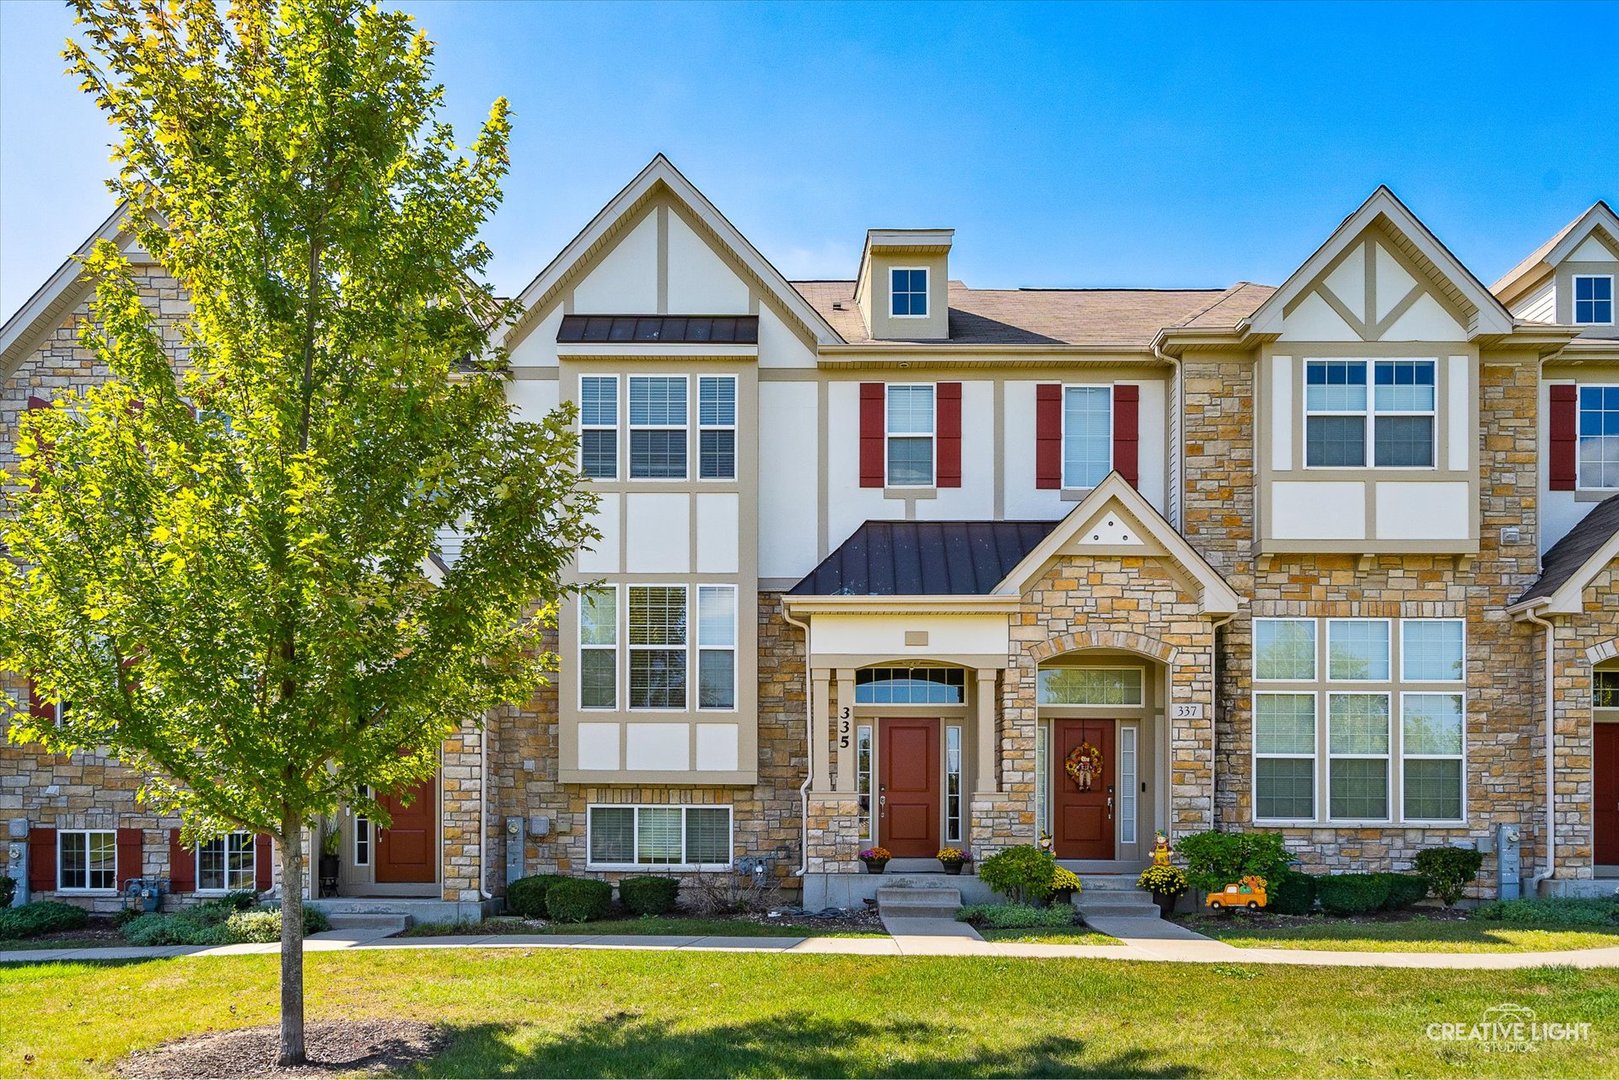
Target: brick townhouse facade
{"x":891,"y":560}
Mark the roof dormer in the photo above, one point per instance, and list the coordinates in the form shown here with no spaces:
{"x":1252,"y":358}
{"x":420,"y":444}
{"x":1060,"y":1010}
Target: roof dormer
{"x":903,"y":285}
{"x":1572,"y":278}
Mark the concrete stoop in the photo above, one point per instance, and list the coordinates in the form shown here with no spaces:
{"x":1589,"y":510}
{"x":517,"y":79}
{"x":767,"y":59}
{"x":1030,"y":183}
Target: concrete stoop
{"x":1114,"y":897}
{"x":906,"y":902}
{"x":392,"y":924}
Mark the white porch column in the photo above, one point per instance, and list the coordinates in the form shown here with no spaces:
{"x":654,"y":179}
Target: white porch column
{"x":848,"y":755}
{"x":987,"y":756}
{"x":820,"y":701}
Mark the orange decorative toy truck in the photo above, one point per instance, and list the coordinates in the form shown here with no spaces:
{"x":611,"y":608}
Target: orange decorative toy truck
{"x":1248,"y":893}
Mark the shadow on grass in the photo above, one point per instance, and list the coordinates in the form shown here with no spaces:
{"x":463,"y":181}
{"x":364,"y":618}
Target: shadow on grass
{"x":631,"y":1044}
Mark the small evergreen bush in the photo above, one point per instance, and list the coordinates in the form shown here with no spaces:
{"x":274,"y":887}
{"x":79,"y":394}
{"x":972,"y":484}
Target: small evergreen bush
{"x":1015,"y":916}
{"x":1405,"y":890}
{"x":1022,"y":874}
{"x":1217,"y":859}
{"x":578,"y":900}
{"x":649,"y":895}
{"x":1449,"y":871}
{"x":1290,"y":893}
{"x":1351,"y":894}
{"x":1551,"y":911}
{"x":40,"y":917}
{"x":525,"y":897}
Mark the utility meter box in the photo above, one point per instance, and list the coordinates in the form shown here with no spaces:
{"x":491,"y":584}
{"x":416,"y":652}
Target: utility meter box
{"x":515,"y":843}
{"x":1508,"y":862}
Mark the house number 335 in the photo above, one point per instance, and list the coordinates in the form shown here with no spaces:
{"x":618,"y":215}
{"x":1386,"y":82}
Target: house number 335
{"x":845,"y":722}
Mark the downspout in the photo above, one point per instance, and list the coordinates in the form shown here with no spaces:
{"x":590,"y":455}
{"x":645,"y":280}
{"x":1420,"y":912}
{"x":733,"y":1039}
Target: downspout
{"x":809,"y":748}
{"x":1551,"y":771}
{"x":483,"y":813}
{"x":1214,"y":707}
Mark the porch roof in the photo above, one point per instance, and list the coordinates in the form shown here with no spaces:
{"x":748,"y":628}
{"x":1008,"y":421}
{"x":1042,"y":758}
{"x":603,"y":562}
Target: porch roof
{"x":1574,"y":560}
{"x":924,"y":558}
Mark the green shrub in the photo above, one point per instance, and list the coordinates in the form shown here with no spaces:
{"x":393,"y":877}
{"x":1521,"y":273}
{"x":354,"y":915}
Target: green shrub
{"x":1290,"y":893}
{"x":264,"y":924}
{"x":649,"y":895}
{"x":216,"y":922}
{"x":1351,"y":894}
{"x":1551,"y":911}
{"x":525,"y":897}
{"x":1405,"y":890}
{"x":240,"y":900}
{"x":1015,"y":916}
{"x":578,"y":900}
{"x":1022,"y":874}
{"x":8,"y":890}
{"x":1449,"y":870}
{"x":40,"y":917}
{"x":1217,"y":859}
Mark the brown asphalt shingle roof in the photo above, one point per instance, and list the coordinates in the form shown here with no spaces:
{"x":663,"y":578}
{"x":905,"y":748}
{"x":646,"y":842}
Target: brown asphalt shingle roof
{"x":1125,"y":317}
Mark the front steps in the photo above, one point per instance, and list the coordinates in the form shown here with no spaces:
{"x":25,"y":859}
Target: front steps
{"x":917,"y":902}
{"x":1114,"y":896}
{"x":383,"y":925}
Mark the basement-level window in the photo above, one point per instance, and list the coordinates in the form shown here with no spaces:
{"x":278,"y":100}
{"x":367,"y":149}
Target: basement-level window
{"x":694,"y":836}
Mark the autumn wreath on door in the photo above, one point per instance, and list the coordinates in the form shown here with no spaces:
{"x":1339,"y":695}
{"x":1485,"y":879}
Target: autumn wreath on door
{"x":1084,"y":765}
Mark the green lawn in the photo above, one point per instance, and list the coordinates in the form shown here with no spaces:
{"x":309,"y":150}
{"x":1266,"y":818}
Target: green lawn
{"x":672,"y":925}
{"x":62,"y":941}
{"x":589,"y":1013}
{"x":1048,"y":935}
{"x":1414,"y":935}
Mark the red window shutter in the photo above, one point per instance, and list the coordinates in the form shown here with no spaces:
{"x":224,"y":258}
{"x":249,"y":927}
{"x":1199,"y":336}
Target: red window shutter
{"x":1048,"y":435}
{"x":38,"y":707}
{"x":1127,"y":431}
{"x":873,"y":428}
{"x":262,"y":861}
{"x":1565,"y":436}
{"x":947,"y":402}
{"x":41,"y":860}
{"x":131,"y":855}
{"x":182,"y":865}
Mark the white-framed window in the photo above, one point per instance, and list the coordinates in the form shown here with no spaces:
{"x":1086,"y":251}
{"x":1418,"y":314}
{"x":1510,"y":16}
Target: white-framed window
{"x":598,"y":648}
{"x":362,"y":833}
{"x":910,"y":435}
{"x":598,"y":426}
{"x":1284,"y":650}
{"x":657,"y":646}
{"x":1284,"y":756}
{"x":226,"y":863}
{"x":1042,"y":779}
{"x":1357,"y":756}
{"x":1128,"y":784}
{"x":1089,"y":686}
{"x":716,"y":646}
{"x":908,"y":292}
{"x":658,"y":417}
{"x":1432,"y":761}
{"x":1087,"y":435}
{"x":864,"y":776}
{"x":716,"y":427}
{"x":1433,"y":650}
{"x":1358,"y":650}
{"x":1599,"y":437}
{"x":669,"y":836}
{"x":1388,"y":425}
{"x":86,"y":860}
{"x":910,"y":686}
{"x":1593,"y":299}
{"x":952,"y":783}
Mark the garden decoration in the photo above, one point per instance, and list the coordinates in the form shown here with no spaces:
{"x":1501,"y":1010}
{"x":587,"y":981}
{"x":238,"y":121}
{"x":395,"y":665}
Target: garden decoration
{"x":875,"y":859}
{"x":1248,"y":893}
{"x":1160,"y":849}
{"x":1045,"y":841}
{"x":951,"y":859}
{"x":1084,"y":765}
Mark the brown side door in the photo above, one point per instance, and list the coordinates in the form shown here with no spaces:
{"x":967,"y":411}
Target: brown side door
{"x":1083,"y":819}
{"x":908,"y":788}
{"x":407,"y":851}
{"x":1605,"y":793}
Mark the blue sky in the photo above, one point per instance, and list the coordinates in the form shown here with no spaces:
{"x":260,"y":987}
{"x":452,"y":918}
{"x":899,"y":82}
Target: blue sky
{"x":1068,"y":145}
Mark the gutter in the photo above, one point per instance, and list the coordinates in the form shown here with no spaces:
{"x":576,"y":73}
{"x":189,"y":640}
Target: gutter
{"x":1214,"y":711}
{"x":809,"y":747}
{"x":483,"y":814}
{"x":1528,"y":615}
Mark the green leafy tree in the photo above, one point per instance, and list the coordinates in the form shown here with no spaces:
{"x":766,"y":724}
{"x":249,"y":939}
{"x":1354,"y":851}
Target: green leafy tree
{"x":222,"y":557}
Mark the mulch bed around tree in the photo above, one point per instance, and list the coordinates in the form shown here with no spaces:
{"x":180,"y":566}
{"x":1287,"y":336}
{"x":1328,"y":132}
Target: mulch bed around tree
{"x":333,"y":1048}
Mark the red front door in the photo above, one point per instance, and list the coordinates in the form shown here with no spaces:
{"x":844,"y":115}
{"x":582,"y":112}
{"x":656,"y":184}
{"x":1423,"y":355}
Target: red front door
{"x":1082,"y":809}
{"x":407,"y":851}
{"x":908,"y":788}
{"x":1605,"y":792}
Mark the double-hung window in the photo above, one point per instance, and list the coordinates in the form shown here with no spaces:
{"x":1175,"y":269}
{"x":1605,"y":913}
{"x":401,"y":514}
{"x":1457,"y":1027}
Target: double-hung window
{"x":1087,"y":435}
{"x":908,"y":292}
{"x":226,"y":863}
{"x":598,"y":648}
{"x":598,"y":426}
{"x":658,"y":427}
{"x":660,"y":836}
{"x":1431,"y":755}
{"x":1593,"y":299}
{"x":1599,"y":437}
{"x":716,"y":646}
{"x":1391,"y":426}
{"x":716,"y":427}
{"x":657,"y":646}
{"x":910,"y":417}
{"x":1358,"y":756}
{"x":87,"y":859}
{"x":1284,"y":722}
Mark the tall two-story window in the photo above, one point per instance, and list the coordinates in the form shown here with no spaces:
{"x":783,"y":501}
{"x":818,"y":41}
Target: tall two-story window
{"x":1599,"y":437}
{"x":657,"y":646}
{"x":1087,"y":435}
{"x":716,"y":427}
{"x":658,"y":427}
{"x":908,"y":292}
{"x":910,"y":436}
{"x":598,"y":648}
{"x":598,"y":426}
{"x":716,"y":646}
{"x":1394,"y":421}
{"x":1593,"y":299}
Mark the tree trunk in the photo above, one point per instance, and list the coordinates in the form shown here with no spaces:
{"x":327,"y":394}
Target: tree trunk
{"x":292,"y":942}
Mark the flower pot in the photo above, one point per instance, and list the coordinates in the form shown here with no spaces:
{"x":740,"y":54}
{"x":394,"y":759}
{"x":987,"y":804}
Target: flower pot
{"x":874,"y":866}
{"x":1062,"y":896}
{"x":329,"y":869}
{"x":1166,"y":903}
{"x":952,"y":867}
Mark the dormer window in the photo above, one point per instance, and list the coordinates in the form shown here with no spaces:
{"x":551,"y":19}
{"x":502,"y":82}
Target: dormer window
{"x":908,"y":293}
{"x":1593,"y":299}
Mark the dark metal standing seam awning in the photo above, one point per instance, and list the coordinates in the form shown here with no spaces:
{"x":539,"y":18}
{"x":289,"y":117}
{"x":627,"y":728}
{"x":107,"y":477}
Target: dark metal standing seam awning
{"x":924,"y":558}
{"x":659,"y":329}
